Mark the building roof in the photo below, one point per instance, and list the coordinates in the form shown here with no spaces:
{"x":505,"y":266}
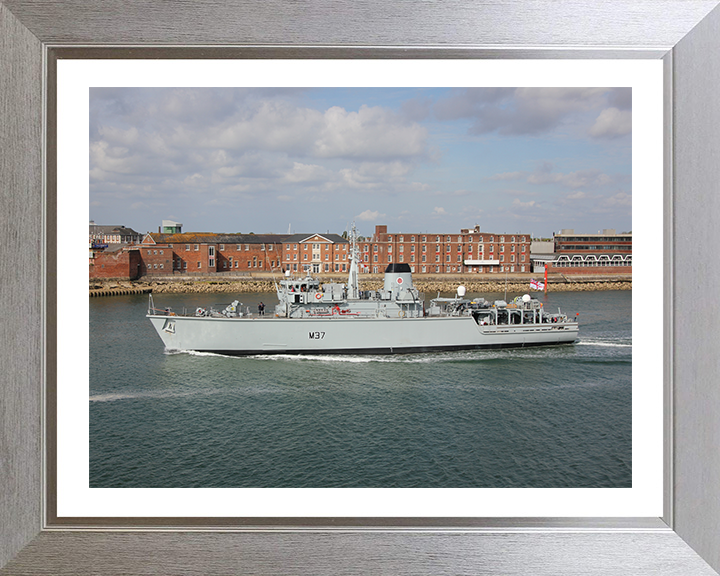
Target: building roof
{"x":334,"y":238}
{"x":211,"y":237}
{"x":111,"y":229}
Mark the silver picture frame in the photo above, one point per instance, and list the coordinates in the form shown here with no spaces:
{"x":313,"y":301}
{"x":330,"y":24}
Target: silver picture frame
{"x":685,"y":34}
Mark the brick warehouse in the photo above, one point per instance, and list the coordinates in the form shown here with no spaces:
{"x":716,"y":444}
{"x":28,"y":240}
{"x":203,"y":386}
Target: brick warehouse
{"x":207,"y":253}
{"x":121,"y":262}
{"x":470,"y":251}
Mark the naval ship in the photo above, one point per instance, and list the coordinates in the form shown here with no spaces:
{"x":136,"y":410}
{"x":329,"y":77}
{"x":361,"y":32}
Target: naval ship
{"x":335,"y":318}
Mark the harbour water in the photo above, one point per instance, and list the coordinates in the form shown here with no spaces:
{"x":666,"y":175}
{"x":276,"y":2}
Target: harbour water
{"x":540,"y":417}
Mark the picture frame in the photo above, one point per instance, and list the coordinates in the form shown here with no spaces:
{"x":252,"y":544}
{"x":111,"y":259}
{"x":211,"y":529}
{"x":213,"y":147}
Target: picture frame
{"x":684,"y":34}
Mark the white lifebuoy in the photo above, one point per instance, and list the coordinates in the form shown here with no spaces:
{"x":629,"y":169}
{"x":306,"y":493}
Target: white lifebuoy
{"x":401,"y":314}
{"x":319,"y":295}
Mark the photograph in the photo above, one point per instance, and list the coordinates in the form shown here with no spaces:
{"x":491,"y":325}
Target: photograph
{"x":368,"y":287}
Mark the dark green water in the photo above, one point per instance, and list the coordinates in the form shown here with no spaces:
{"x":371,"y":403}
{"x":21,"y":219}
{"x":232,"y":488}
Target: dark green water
{"x":541,"y":417}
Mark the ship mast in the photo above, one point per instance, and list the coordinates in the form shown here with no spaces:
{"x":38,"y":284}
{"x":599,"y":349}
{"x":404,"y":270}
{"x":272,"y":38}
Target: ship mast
{"x":353,"y":290}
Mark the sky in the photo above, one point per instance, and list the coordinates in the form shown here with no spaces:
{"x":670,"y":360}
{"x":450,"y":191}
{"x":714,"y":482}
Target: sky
{"x":273,"y":160}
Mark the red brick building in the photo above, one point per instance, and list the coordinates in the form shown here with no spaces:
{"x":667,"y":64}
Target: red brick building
{"x":206,"y":253}
{"x":316,"y":253}
{"x":470,"y":251}
{"x":603,"y":253}
{"x":122,"y":263}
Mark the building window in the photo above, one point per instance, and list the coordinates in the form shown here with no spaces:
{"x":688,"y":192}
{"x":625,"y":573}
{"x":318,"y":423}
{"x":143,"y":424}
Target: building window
{"x":211,"y":251}
{"x":222,"y":247}
{"x":375,"y":248}
{"x":247,"y":247}
{"x":401,"y":258}
{"x":412,"y":258}
{"x":211,"y":262}
{"x":375,"y":258}
{"x":424,"y":258}
{"x":197,"y":247}
{"x":236,"y":263}
{"x":447,"y":258}
{"x":437,"y":257}
{"x":185,"y":265}
{"x":199,"y":265}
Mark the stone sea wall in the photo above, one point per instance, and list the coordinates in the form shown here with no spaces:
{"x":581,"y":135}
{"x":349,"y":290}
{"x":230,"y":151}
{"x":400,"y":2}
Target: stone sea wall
{"x":428,"y":285}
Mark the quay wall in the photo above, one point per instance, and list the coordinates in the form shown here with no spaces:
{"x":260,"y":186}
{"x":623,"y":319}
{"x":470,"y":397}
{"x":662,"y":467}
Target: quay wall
{"x":427,"y":283}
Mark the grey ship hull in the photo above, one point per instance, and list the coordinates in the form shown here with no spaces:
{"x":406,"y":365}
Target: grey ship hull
{"x":338,"y":335}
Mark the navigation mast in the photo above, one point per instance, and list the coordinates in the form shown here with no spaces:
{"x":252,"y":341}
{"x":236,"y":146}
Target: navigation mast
{"x":353,"y":290}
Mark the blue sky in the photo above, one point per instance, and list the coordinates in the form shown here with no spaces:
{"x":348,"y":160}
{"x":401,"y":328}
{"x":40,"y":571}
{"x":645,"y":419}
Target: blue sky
{"x":530,"y":160}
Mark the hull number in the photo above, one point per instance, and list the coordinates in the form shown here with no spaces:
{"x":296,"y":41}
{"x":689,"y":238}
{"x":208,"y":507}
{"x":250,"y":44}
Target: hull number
{"x":316,"y":335}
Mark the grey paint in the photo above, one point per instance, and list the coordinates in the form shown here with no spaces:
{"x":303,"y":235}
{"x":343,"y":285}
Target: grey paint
{"x":511,"y":28}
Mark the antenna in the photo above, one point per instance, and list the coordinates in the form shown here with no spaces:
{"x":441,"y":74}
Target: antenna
{"x":506,"y":274}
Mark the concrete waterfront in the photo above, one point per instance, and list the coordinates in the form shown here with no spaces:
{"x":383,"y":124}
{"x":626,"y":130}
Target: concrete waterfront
{"x":428,"y":283}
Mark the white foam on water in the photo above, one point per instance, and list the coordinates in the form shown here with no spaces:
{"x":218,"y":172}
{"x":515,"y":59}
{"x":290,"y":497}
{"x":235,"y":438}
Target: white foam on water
{"x":113,"y":397}
{"x":608,"y":343}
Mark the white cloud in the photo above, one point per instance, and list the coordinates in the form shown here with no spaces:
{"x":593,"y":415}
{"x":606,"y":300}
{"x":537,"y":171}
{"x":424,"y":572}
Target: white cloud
{"x":544,"y":174}
{"x":523,"y":205}
{"x":612,"y":123}
{"x":519,"y":111}
{"x":307,"y":173}
{"x":439,"y":211}
{"x":370,"y":215}
{"x":620,"y":199}
{"x":577,"y":195}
